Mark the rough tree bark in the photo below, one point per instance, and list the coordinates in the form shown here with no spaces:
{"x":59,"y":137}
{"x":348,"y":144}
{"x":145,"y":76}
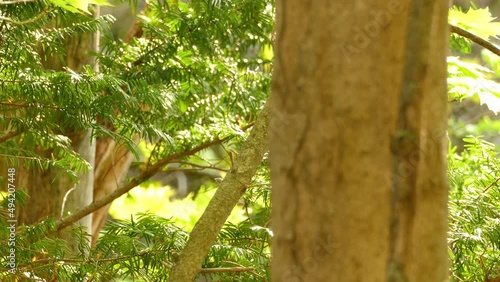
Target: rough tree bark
{"x":357,"y":141}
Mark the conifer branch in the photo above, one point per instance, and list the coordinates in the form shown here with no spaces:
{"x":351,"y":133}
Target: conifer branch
{"x":15,"y":2}
{"x":30,"y":106}
{"x":19,"y":157}
{"x":34,"y":19}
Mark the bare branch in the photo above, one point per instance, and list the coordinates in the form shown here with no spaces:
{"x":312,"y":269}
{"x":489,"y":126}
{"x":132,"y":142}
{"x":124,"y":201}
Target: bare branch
{"x":218,"y":269}
{"x":8,"y":136}
{"x":145,"y":175}
{"x":200,"y":167}
{"x":476,"y":39}
{"x":491,"y":185}
{"x":227,"y":269}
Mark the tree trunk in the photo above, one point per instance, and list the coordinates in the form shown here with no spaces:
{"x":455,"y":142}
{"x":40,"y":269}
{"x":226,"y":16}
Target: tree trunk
{"x":81,"y":194}
{"x":225,"y":199}
{"x":112,"y":163}
{"x":358,"y":141}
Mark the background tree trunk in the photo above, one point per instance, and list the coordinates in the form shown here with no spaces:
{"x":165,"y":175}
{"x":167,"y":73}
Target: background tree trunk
{"x":357,"y":141}
{"x":109,"y":160}
{"x":47,"y":191}
{"x":112,"y":163}
{"x":83,"y":192}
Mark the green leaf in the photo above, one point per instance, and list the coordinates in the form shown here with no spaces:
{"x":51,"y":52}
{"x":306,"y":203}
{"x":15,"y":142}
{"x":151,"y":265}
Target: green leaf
{"x":478,"y":21}
{"x":471,"y":80}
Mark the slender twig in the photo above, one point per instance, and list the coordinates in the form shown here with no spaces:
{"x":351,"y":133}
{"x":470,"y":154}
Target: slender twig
{"x":26,"y":21}
{"x":218,"y":269}
{"x":246,"y":127}
{"x":145,"y":175}
{"x":19,"y":157}
{"x":491,"y":185}
{"x":476,"y":39}
{"x":8,"y":136}
{"x":201,"y":166}
{"x":259,"y":184}
{"x":29,"y":106}
{"x":9,"y":81}
{"x":91,"y":260}
{"x":15,"y":2}
{"x":239,"y":265}
{"x":227,"y":269}
{"x":65,"y":200}
{"x":51,"y":260}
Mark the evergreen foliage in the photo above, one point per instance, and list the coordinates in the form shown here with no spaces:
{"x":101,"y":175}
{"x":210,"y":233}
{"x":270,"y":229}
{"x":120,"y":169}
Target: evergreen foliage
{"x":474,"y":234}
{"x":196,"y":74}
{"x":474,"y":197}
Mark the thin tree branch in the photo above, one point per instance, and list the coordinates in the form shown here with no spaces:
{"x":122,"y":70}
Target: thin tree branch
{"x":145,"y":175}
{"x":19,"y":157}
{"x":491,"y":185}
{"x":476,"y":39}
{"x":246,"y":127}
{"x":29,"y":106}
{"x":52,"y":260}
{"x":39,"y":16}
{"x":218,"y":269}
{"x":227,"y":196}
{"x":8,"y":136}
{"x":227,"y":269}
{"x":210,"y":166}
{"x":198,"y":169}
{"x":15,"y":2}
